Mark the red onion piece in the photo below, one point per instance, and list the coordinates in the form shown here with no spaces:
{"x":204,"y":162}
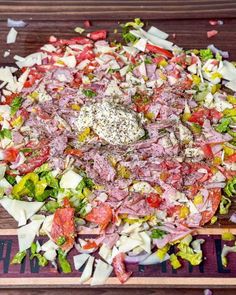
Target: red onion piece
{"x":214,"y":49}
{"x":233,"y":218}
{"x":11,"y":23}
{"x":136,"y":259}
{"x":208,"y":292}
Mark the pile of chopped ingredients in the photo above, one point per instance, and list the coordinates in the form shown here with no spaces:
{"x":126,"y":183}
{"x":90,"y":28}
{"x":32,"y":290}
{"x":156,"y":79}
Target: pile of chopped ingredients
{"x":135,"y":143}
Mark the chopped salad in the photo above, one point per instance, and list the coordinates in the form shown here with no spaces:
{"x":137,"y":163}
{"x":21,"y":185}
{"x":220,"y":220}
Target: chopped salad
{"x":134,"y":143}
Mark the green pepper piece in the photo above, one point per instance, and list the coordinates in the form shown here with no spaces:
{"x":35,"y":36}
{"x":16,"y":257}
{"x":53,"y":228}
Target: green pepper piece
{"x":18,"y":258}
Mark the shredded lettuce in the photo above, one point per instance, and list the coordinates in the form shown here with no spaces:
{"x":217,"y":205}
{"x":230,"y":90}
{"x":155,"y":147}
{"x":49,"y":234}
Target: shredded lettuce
{"x":126,"y":35}
{"x":18,"y":258}
{"x":174,"y":261}
{"x":230,"y":188}
{"x":137,"y":23}
{"x":225,"y":251}
{"x":193,"y":255}
{"x":225,"y":205}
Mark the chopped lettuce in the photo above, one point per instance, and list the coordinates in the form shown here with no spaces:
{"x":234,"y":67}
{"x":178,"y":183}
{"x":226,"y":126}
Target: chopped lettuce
{"x":5,"y":133}
{"x":224,"y":125}
{"x":63,"y":262}
{"x":158,"y":233}
{"x":15,"y":105}
{"x":126,"y":35}
{"x":89,"y":93}
{"x":205,"y":54}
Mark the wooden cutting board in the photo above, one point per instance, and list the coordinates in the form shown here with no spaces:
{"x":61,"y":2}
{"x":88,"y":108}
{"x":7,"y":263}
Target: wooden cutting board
{"x":187,"y":24}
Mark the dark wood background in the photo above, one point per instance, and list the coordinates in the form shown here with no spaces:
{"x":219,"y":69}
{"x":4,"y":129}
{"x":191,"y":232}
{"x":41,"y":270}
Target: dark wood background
{"x":188,"y":20}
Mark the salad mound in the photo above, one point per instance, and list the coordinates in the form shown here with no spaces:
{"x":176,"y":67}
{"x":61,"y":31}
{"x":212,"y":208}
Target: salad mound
{"x":134,"y":142}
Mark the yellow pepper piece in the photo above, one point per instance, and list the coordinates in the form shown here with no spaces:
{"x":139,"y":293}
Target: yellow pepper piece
{"x":228,"y":151}
{"x":86,"y":192}
{"x":217,"y":161}
{"x":196,"y":79}
{"x":198,"y":199}
{"x":231,"y":99}
{"x":112,"y":161}
{"x":161,"y":253}
{"x":214,"y":219}
{"x":149,"y":116}
{"x":230,"y":112}
{"x":19,"y":189}
{"x":123,"y":172}
{"x":216,"y":75}
{"x":34,"y":95}
{"x":75,"y":107}
{"x":163,"y":63}
{"x":174,"y":261}
{"x":228,"y":236}
{"x":158,"y":189}
{"x":40,"y":187}
{"x":184,"y":212}
{"x":17,"y":122}
{"x":215,"y":88}
{"x":186,"y":116}
{"x":83,"y":136}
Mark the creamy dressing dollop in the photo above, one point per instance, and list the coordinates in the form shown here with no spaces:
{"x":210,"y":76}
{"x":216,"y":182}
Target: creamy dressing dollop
{"x":116,"y":124}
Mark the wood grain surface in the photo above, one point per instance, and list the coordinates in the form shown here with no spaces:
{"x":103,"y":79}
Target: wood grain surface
{"x":187,"y":20}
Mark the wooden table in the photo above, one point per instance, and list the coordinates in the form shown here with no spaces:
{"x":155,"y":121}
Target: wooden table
{"x":186,"y":21}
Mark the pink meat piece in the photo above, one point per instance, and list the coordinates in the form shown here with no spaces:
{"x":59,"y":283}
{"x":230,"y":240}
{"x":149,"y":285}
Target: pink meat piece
{"x":110,"y":240}
{"x":117,"y":193}
{"x":103,"y":168}
{"x":63,"y":75}
{"x":57,"y":145}
{"x":212,"y":136}
{"x":17,"y":137}
{"x":151,"y":71}
{"x":135,"y":205}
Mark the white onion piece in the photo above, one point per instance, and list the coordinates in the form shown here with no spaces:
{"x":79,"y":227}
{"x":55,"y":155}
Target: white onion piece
{"x":207,"y":292}
{"x":11,"y":36}
{"x":86,"y":251}
{"x":154,"y":259}
{"x":215,"y":185}
{"x":12,"y":23}
{"x":136,"y":259}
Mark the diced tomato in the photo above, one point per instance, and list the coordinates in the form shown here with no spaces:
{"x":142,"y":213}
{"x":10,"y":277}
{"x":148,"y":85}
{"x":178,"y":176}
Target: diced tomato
{"x":86,"y":53}
{"x":74,"y":152}
{"x":198,"y":117}
{"x":214,"y":198}
{"x":207,"y":150}
{"x":214,"y":114}
{"x":41,"y":114}
{"x":196,"y":166}
{"x":173,"y":210}
{"x":158,"y":50}
{"x":212,"y":33}
{"x":154,"y":200}
{"x":10,"y":154}
{"x":97,"y":35}
{"x":90,"y":245}
{"x":101,"y":215}
{"x":66,"y":203}
{"x":24,"y":114}
{"x":63,"y":226}
{"x":42,"y":151}
{"x":231,"y":159}
{"x":87,"y":24}
{"x":119,"y":268}
{"x":158,"y":59}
